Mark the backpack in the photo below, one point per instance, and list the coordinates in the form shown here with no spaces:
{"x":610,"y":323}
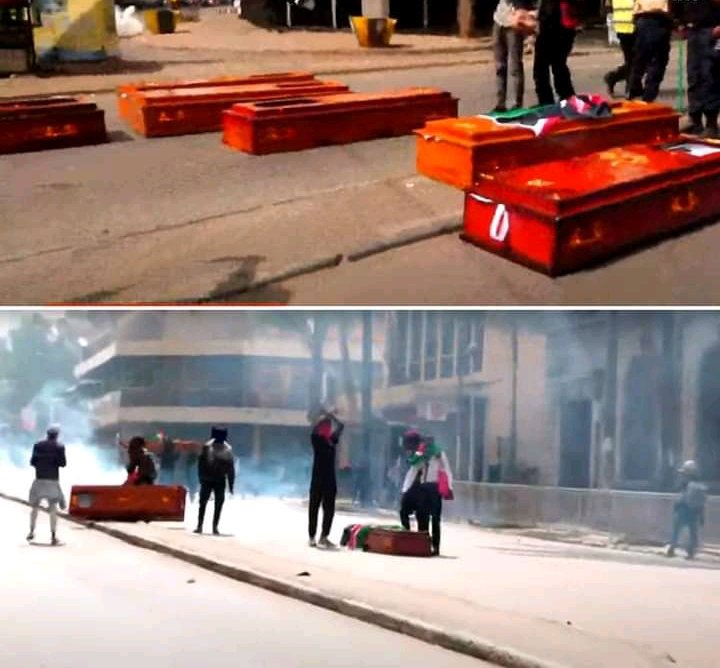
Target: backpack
{"x":695,"y":495}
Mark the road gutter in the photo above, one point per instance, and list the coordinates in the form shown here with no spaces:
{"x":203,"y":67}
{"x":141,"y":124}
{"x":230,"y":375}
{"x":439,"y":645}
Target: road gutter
{"x":455,"y":642}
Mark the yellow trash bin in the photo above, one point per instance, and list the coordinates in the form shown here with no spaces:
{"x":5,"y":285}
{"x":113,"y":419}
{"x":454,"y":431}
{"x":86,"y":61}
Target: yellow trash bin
{"x":160,"y":21}
{"x":373,"y":32}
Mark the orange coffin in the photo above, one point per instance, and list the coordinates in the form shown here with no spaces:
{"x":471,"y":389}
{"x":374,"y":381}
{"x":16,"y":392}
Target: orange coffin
{"x":128,"y":503}
{"x":559,"y":217}
{"x":55,"y":122}
{"x":127,"y":91}
{"x":458,"y":151}
{"x":295,"y":125}
{"x":172,"y":112}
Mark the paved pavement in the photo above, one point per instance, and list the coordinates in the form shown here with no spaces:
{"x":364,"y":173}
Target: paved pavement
{"x":185,"y":218}
{"x":95,"y":601}
{"x":573,"y":605}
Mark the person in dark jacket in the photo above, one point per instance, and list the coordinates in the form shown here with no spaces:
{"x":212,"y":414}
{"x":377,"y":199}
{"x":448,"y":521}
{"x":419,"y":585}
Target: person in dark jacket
{"x":324,"y":437}
{"x":557,"y":26}
{"x":700,"y":25}
{"x":689,"y":510}
{"x":48,"y":457}
{"x":141,"y":465}
{"x":216,"y":465}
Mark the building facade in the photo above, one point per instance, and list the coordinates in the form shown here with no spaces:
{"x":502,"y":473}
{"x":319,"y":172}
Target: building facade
{"x":181,"y":372}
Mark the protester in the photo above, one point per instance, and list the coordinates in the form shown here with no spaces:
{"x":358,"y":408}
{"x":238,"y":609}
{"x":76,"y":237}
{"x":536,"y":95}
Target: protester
{"x":141,"y":465}
{"x":48,"y":457}
{"x":508,"y":48}
{"x":689,"y":510}
{"x":216,"y":465}
{"x":653,"y":33}
{"x":622,"y":18}
{"x":700,"y":25}
{"x":558,"y":22}
{"x":430,"y":472}
{"x":410,"y":489}
{"x":325,"y":436}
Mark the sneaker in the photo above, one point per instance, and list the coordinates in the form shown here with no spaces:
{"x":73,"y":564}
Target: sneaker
{"x":30,"y":536}
{"x":670,"y":552}
{"x":695,"y":129}
{"x":610,"y":83}
{"x":312,"y":543}
{"x":54,"y":541}
{"x":710,"y":133}
{"x":327,"y":544}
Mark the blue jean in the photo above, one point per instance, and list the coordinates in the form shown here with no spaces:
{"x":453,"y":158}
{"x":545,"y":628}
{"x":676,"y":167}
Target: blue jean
{"x":686,"y":517}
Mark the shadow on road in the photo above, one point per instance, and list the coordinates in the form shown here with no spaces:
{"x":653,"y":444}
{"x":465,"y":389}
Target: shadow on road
{"x":110,"y":66}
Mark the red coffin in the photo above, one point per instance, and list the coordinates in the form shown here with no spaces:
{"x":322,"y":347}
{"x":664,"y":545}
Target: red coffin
{"x":128,"y":503}
{"x":177,"y":111}
{"x":457,"y":151}
{"x":560,"y":217}
{"x":295,"y":125}
{"x":55,"y":122}
{"x":127,"y":91}
{"x":399,"y":543}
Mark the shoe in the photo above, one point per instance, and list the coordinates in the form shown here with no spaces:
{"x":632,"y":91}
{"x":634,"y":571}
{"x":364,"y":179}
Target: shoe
{"x":710,"y":133}
{"x":500,"y":109}
{"x":689,"y":557}
{"x":30,"y":537}
{"x":54,"y":541}
{"x":198,"y":530}
{"x":327,"y":544}
{"x":670,"y":552}
{"x":610,"y":83}
{"x":695,"y":129}
{"x":216,"y":531}
{"x":312,"y":543}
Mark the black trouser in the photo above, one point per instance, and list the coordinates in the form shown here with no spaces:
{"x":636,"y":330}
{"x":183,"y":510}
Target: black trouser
{"x":409,"y":505}
{"x":703,"y":74}
{"x":652,"y":54}
{"x":553,"y":46}
{"x":217,"y":489}
{"x":321,"y":494}
{"x":430,"y":510}
{"x":622,"y":73}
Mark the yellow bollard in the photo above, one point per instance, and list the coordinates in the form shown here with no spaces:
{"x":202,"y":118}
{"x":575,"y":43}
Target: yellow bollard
{"x":373,"y":33}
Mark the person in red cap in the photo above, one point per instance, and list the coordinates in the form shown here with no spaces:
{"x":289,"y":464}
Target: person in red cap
{"x":323,"y":484}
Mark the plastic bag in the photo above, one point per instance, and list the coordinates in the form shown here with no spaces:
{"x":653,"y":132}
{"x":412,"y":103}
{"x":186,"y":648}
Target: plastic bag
{"x":126,"y":24}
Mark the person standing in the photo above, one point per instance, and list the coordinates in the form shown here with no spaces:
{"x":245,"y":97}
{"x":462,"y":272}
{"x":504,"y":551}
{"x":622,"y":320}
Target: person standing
{"x":558,"y":22}
{"x":324,"y":437}
{"x":700,"y":25}
{"x":48,"y":456}
{"x":216,"y":465}
{"x":689,"y":510}
{"x":622,"y":18}
{"x":141,"y":465}
{"x":410,"y":489}
{"x":653,"y":33}
{"x":508,"y":48}
{"x":430,"y":472}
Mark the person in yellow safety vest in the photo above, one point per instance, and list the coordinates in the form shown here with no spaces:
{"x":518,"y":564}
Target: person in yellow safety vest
{"x":622,"y":18}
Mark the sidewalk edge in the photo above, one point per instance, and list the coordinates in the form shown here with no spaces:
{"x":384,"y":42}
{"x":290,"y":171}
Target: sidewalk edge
{"x":459,"y":643}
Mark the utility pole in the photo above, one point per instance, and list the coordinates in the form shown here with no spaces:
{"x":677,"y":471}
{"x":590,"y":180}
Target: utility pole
{"x":367,"y":387}
{"x":466,"y":18}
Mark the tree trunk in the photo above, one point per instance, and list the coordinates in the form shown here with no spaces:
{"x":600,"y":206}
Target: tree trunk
{"x":466,"y":17}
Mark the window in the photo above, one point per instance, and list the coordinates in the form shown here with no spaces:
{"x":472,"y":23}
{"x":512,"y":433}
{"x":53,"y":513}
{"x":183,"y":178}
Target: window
{"x":399,"y":354}
{"x":416,"y":333}
{"x":471,"y":338}
{"x":447,"y":345}
{"x":431,"y":345}
{"x":137,"y":373}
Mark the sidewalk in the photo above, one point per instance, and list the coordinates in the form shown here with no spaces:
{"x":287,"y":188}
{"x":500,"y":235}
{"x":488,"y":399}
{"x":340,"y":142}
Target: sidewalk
{"x":570,"y":606}
{"x":222,"y":45}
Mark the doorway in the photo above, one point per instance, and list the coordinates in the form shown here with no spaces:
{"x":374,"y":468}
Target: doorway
{"x":575,"y":444}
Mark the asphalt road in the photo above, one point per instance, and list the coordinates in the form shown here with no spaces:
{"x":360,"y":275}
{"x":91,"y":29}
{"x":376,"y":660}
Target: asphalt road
{"x":98,"y":602}
{"x":185,"y":218}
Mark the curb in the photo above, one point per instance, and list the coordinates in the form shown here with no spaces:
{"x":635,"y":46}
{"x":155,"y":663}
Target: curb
{"x":459,"y":643}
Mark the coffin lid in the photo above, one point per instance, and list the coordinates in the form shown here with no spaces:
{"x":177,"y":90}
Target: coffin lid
{"x":341,"y":102}
{"x":581,"y":184}
{"x":60,"y":111}
{"x":219,"y":81}
{"x":484,"y":129}
{"x":238,"y":93}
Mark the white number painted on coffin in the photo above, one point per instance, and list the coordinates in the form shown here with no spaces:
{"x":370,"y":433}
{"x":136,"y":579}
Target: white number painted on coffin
{"x":500,"y":223}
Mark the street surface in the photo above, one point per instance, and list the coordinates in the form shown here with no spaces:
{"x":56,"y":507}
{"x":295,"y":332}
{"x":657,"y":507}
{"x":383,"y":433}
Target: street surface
{"x":96,"y":601}
{"x":576,"y":605}
{"x":185,"y":218}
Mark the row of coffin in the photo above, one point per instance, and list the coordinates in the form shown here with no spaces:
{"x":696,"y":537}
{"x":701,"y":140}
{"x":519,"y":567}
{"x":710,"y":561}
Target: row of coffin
{"x":166,"y":503}
{"x":586,"y":190}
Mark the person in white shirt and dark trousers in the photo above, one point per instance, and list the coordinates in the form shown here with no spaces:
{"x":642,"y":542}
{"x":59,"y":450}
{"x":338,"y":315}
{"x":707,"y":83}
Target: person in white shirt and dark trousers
{"x":430,"y":478}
